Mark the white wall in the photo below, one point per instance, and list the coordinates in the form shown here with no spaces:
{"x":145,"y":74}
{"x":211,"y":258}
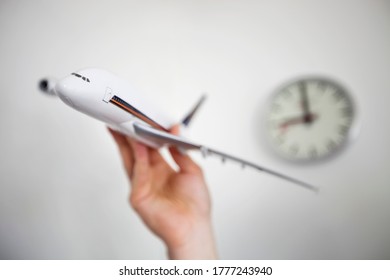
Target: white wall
{"x":63,"y":193}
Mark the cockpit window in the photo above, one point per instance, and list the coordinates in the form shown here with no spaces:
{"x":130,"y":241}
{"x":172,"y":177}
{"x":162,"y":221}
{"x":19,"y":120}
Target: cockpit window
{"x":82,"y":77}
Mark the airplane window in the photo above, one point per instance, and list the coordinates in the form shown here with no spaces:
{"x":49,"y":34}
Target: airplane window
{"x":82,"y":77}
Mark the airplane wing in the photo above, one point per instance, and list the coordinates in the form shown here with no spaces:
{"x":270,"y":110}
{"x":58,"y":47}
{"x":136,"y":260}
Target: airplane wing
{"x":165,"y":138}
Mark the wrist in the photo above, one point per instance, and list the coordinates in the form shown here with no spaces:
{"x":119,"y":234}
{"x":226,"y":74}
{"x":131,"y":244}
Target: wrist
{"x":199,"y":244}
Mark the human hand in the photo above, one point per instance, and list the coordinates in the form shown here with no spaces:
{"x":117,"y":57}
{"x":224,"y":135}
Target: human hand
{"x":174,"y":204}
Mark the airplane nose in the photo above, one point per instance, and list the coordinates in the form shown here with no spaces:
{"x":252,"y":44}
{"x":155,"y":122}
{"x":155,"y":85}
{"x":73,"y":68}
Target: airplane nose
{"x":65,"y":91}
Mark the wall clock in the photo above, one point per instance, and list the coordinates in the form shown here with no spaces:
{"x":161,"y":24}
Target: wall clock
{"x":310,"y":119}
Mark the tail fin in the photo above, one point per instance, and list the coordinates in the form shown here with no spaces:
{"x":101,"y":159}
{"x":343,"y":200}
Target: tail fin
{"x":186,"y":121}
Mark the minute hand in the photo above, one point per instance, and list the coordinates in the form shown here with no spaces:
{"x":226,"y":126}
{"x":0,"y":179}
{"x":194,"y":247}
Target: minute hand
{"x":307,"y":116}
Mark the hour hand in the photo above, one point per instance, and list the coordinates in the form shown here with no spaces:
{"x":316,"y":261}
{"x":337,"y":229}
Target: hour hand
{"x":291,"y":121}
{"x":297,"y":120}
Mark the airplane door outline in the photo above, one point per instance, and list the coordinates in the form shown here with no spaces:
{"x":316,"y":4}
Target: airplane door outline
{"x":107,"y":95}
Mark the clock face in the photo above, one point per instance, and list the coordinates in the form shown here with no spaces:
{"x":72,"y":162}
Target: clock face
{"x":310,"y":119}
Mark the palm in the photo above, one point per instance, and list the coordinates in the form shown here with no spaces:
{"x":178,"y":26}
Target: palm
{"x":170,"y":202}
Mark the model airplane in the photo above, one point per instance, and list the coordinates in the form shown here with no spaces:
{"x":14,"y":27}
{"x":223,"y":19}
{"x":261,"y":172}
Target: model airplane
{"x":102,"y":95}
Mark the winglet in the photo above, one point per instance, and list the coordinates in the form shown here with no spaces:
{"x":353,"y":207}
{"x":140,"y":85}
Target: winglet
{"x":186,"y":121}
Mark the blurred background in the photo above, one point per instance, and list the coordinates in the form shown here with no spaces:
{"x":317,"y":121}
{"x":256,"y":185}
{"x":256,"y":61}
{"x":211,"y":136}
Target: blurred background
{"x":63,"y":192}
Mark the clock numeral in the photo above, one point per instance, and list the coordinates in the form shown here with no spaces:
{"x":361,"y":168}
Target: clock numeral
{"x":279,"y":140}
{"x":313,"y":152}
{"x":338,"y":95}
{"x":294,"y":149}
{"x":331,"y":144}
{"x":272,"y":124}
{"x":342,"y":129}
{"x":276,"y":108}
{"x":346,"y":112}
{"x":322,"y":86}
{"x":302,"y":86}
{"x":287,"y":94}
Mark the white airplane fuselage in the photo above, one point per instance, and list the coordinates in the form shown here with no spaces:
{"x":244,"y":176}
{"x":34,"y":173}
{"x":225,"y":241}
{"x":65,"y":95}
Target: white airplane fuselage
{"x":102,"y":95}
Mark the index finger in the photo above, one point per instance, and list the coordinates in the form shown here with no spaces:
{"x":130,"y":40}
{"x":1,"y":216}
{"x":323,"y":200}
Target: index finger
{"x":125,"y":150}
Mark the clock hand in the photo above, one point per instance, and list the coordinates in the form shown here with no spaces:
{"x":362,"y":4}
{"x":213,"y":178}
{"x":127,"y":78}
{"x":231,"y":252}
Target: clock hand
{"x":292,"y":121}
{"x":297,"y":120}
{"x":307,"y":116}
